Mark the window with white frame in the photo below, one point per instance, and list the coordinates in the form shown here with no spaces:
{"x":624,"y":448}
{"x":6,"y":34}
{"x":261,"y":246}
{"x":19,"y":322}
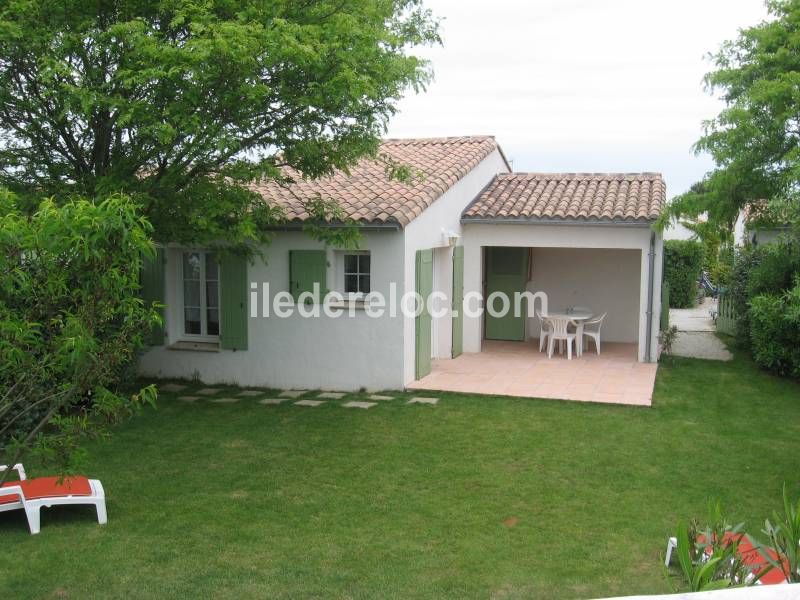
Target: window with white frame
{"x":357,"y":273}
{"x":200,"y":294}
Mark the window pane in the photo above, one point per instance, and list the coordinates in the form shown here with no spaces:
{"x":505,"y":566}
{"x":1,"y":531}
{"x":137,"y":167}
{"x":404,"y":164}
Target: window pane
{"x":191,"y":293}
{"x":191,"y":265}
{"x":350,"y":284}
{"x":212,"y":294}
{"x":363,"y":263}
{"x":351,"y":263}
{"x":363,"y":284}
{"x":213,"y":321}
{"x":191,"y":320}
{"x":212,"y":267}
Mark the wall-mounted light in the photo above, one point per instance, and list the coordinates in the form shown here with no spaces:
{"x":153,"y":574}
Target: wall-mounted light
{"x":450,"y":237}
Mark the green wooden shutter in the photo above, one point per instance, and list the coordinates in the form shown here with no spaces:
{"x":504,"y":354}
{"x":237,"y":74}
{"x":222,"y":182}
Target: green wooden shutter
{"x":233,"y":302}
{"x":307,"y":267}
{"x":152,"y":282}
{"x":458,"y":301}
{"x":424,"y":281}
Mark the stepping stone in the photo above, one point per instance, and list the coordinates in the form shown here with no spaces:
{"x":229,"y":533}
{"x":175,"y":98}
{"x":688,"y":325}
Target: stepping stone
{"x":250,"y":393}
{"x":309,"y":403}
{"x":355,"y":404}
{"x":171,"y":387}
{"x":379,"y":397}
{"x":331,"y":395}
{"x":272,"y":401}
{"x":208,"y":391}
{"x":423,"y":400}
{"x":189,"y":398}
{"x":224,"y":400}
{"x":292,"y":393}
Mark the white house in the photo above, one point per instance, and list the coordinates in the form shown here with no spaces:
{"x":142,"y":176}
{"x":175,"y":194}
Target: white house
{"x":747,"y":231}
{"x":465,"y":225}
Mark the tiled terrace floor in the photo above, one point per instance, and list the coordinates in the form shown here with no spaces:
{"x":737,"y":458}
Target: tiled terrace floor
{"x":519,"y":369}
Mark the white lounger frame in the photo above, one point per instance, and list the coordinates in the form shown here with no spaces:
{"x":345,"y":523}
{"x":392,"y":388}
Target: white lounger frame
{"x":32,"y":507}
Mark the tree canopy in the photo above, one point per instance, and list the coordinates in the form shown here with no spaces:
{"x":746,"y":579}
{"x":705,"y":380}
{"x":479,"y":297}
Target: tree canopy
{"x":755,"y":140}
{"x":180,"y":103}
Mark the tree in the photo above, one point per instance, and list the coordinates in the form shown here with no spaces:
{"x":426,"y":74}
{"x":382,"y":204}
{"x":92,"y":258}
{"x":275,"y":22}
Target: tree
{"x":755,"y":140}
{"x":71,"y":321}
{"x":180,"y":104}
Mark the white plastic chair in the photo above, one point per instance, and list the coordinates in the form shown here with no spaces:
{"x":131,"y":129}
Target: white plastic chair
{"x":560,"y":332}
{"x":33,"y":494}
{"x":544,"y":329}
{"x":589,"y":330}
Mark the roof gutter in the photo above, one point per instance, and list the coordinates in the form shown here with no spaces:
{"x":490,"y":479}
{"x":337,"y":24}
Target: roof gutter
{"x":650,"y":282}
{"x":298,"y":226}
{"x":548,"y":221}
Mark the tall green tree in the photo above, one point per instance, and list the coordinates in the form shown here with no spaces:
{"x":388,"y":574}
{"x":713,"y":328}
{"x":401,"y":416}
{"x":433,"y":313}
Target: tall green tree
{"x":181,"y":103}
{"x":755,"y":140}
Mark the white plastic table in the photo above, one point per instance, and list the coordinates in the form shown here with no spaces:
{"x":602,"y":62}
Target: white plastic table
{"x":579,"y":316}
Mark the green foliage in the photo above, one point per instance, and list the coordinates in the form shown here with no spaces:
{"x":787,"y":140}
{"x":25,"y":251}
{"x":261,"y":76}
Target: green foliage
{"x":776,"y":267}
{"x":664,"y":319}
{"x":754,"y":140}
{"x":783,"y":535}
{"x":775,"y":330}
{"x":747,"y":258}
{"x":70,"y":322}
{"x":683,"y":261}
{"x":765,"y":272}
{"x":709,"y":556}
{"x":666,"y":338}
{"x":721,"y":269}
{"x":181,"y":104}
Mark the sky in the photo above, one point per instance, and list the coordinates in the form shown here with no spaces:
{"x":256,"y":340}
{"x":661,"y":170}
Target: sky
{"x":578,"y":85}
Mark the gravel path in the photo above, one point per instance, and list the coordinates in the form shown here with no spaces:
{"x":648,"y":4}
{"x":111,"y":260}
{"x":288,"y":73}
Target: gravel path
{"x":696,"y":337}
{"x":694,"y":319}
{"x":700,"y":344}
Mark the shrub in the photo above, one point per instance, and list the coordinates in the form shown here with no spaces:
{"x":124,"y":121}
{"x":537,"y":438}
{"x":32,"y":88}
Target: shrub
{"x":667,"y":339}
{"x":71,"y":321}
{"x":747,"y":258}
{"x":721,"y":270}
{"x":775,"y":331}
{"x":683,"y":261}
{"x":758,"y":270}
{"x":775,"y":270}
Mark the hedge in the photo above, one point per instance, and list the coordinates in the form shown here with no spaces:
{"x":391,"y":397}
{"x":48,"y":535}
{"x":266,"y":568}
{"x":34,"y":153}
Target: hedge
{"x":775,"y":331}
{"x":664,"y":306}
{"x":683,"y":262}
{"x":761,"y":270}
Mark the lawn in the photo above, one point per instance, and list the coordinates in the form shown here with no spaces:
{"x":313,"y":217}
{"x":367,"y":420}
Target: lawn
{"x":476,"y":497}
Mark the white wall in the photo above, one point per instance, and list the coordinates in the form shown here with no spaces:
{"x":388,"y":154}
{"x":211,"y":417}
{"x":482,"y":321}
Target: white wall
{"x":328,"y":353}
{"x":676,"y":231}
{"x":343,"y":353}
{"x":603,"y":280}
{"x":477,"y":236}
{"x":426,"y":232}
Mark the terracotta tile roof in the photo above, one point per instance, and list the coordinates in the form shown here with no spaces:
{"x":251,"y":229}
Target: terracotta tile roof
{"x":570,"y":196}
{"x":368,"y":195}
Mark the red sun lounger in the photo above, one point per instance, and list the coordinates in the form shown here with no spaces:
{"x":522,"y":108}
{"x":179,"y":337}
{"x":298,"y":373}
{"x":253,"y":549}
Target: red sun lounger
{"x":31,"y":495}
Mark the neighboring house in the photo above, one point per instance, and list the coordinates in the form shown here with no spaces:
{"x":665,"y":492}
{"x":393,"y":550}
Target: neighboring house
{"x":748,"y":231}
{"x":678,"y":231}
{"x":467,"y":224}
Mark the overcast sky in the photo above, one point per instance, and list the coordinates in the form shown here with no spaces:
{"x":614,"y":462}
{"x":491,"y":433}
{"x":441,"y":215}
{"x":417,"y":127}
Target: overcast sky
{"x":578,"y":85}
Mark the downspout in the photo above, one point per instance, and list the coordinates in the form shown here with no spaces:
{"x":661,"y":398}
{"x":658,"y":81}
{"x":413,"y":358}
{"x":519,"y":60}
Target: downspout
{"x":650,"y":275}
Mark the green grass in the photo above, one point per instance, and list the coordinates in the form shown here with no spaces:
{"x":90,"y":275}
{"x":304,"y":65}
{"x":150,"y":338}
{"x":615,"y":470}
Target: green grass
{"x":476,"y":497}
